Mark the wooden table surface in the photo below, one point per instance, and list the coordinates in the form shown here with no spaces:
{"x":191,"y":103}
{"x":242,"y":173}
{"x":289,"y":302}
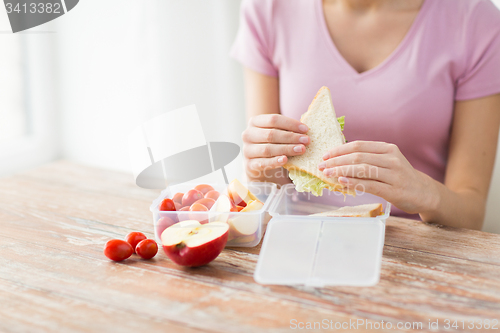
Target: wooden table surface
{"x":54,"y":277}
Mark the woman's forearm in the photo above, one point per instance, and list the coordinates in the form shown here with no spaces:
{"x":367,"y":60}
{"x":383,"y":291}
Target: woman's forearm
{"x":460,"y":209}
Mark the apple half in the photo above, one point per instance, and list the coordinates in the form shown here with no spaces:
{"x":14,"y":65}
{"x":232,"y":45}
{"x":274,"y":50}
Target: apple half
{"x":239,"y":194}
{"x":190,"y":243}
{"x":245,"y":224}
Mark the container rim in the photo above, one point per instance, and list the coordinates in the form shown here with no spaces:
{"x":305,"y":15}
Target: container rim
{"x":273,"y":211}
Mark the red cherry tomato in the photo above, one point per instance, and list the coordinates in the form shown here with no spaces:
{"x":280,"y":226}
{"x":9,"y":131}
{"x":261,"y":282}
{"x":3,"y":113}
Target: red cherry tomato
{"x":190,"y":197}
{"x":118,"y":250}
{"x":162,"y":224}
{"x":183,"y":216}
{"x":167,"y":205}
{"x":147,"y":249}
{"x":178,"y":197}
{"x":214,"y":195}
{"x":204,"y":188}
{"x":134,"y":238}
{"x":198,"y":207}
{"x":205,"y":202}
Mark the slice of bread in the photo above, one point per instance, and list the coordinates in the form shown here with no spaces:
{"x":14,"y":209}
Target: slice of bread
{"x":368,"y":210}
{"x":324,"y":133}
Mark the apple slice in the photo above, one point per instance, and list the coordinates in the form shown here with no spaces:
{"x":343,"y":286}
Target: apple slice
{"x":222,"y":205}
{"x":240,"y":195}
{"x":189,"y":243}
{"x":245,"y":225}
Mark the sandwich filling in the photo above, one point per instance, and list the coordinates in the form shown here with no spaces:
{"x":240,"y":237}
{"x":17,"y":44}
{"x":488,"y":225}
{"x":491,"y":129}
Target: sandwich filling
{"x":305,"y":182}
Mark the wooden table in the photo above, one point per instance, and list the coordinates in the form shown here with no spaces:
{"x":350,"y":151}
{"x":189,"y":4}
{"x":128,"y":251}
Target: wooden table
{"x":54,"y":277}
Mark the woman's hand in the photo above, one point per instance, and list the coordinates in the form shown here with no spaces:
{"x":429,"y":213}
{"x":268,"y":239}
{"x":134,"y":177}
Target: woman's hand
{"x":270,"y":138}
{"x":380,"y":168}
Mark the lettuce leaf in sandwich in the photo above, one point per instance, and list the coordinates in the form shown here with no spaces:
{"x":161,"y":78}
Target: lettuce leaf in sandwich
{"x":305,"y":182}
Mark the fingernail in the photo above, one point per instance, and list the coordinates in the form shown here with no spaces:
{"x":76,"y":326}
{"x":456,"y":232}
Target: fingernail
{"x":297,"y":149}
{"x":321,"y":166}
{"x":304,"y":139}
{"x":343,"y":180}
{"x":326,"y":156}
{"x":328,"y":172}
{"x":281,"y":159}
{"x":303,"y":128}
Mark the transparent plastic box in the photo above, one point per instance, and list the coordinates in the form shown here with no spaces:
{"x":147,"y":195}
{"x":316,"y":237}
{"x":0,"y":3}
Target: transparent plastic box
{"x":299,"y":249}
{"x":254,"y":220}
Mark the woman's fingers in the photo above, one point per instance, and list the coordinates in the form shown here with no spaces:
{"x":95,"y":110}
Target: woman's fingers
{"x":366,"y":185}
{"x":272,"y":150}
{"x":270,"y":135}
{"x":379,"y":160}
{"x":373,"y":147}
{"x":361,"y":171}
{"x":260,"y":164}
{"x":279,"y":122}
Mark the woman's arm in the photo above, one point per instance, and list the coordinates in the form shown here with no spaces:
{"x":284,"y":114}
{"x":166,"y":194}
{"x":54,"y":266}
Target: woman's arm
{"x":269,"y":137}
{"x":381,"y":169}
{"x":461,"y":201}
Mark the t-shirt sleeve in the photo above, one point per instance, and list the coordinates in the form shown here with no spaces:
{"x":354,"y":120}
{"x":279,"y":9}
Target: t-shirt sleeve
{"x":481,"y":74}
{"x":253,"y":45}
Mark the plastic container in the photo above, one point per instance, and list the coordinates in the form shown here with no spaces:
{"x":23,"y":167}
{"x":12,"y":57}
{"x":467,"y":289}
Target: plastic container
{"x":317,"y":251}
{"x":255,"y":220}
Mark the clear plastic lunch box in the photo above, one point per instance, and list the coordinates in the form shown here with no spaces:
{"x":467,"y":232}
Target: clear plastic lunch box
{"x":257,"y":219}
{"x":299,"y":249}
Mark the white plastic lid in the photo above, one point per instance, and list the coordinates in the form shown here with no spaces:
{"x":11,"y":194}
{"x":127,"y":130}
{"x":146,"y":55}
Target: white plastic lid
{"x":321,"y":252}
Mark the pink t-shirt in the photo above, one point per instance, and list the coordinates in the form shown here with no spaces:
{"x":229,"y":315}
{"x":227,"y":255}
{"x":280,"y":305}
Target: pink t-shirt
{"x":450,"y":53}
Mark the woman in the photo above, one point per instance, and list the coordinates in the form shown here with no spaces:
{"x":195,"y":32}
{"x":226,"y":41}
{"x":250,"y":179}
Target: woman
{"x":418,"y":82}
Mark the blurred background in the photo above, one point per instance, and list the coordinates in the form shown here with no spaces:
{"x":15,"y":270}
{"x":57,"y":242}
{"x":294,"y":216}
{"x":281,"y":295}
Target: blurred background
{"x":75,"y":88}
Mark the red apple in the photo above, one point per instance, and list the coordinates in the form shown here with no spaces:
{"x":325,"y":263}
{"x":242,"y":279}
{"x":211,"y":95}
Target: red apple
{"x":189,"y":243}
{"x":245,"y":225}
{"x":221,"y":206}
{"x":240,"y":195}
{"x":190,"y":197}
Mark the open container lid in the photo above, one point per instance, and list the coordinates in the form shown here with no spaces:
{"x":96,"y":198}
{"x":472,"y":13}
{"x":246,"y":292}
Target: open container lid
{"x":319,"y":251}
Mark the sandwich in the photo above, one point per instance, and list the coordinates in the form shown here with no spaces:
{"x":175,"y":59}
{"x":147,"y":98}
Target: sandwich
{"x":368,"y":210}
{"x":325,"y":132}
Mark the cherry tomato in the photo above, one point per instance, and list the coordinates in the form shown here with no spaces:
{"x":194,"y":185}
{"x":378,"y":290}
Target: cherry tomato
{"x":167,"y":205}
{"x":190,"y":197}
{"x":147,"y":249}
{"x":204,"y":188}
{"x":178,"y":197}
{"x":183,"y":216}
{"x":134,"y":238}
{"x":162,"y":224}
{"x":205,"y":202}
{"x":198,"y":207}
{"x":118,"y":250}
{"x":214,"y":195}
{"x":239,"y":208}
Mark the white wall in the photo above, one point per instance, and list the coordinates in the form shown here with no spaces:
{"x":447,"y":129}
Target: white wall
{"x":138,"y":59}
